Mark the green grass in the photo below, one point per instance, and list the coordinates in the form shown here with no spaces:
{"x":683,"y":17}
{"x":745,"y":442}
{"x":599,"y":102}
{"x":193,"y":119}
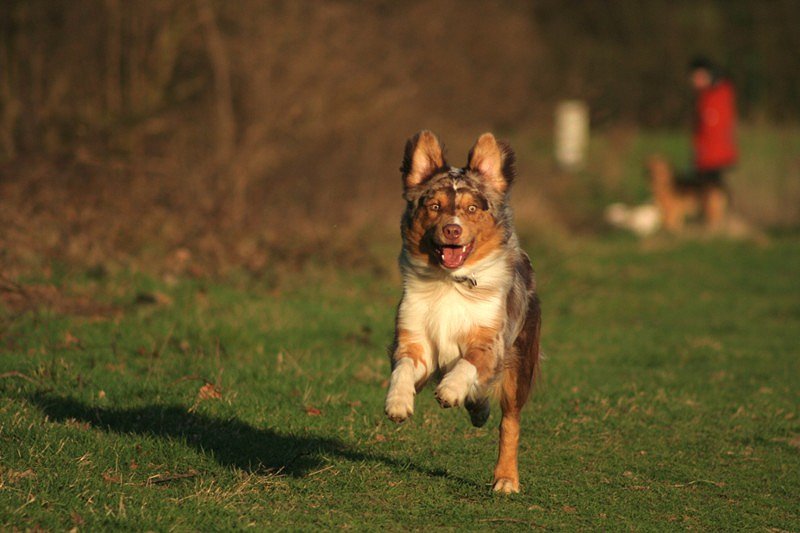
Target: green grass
{"x":669,"y":400}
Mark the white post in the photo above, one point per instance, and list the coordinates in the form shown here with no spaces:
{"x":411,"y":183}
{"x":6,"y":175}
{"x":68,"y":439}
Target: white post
{"x":571,"y":133}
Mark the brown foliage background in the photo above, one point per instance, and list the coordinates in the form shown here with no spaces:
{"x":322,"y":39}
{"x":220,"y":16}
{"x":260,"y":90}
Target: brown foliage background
{"x":198,"y":134}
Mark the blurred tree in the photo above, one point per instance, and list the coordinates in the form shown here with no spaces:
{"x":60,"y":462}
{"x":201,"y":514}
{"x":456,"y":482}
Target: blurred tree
{"x":212,"y":76}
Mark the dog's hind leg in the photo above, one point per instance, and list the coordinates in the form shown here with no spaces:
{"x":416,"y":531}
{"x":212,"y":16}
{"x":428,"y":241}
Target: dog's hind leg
{"x":506,"y":475}
{"x":673,"y":217}
{"x":517,"y":382}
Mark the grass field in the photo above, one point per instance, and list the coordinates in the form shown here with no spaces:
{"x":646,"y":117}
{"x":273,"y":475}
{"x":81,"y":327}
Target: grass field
{"x":669,"y":400}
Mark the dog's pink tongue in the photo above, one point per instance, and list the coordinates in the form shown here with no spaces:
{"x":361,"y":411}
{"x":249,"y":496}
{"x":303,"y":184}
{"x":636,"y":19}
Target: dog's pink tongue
{"x":453,"y":257}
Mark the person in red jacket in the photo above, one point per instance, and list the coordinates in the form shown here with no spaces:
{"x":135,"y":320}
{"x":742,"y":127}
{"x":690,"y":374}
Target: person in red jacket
{"x":714,"y":136}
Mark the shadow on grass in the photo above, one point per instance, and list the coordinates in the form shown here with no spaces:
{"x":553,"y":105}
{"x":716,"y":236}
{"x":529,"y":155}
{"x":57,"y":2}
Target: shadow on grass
{"x":231,"y":442}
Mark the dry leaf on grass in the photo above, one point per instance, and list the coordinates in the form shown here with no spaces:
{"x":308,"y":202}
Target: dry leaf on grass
{"x":12,"y":476}
{"x":109,"y":477}
{"x":168,"y":477}
{"x":208,"y":391}
{"x":71,"y":340}
{"x":794,"y":442}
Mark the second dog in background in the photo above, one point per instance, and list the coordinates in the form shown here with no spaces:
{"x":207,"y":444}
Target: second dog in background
{"x":677,"y":200}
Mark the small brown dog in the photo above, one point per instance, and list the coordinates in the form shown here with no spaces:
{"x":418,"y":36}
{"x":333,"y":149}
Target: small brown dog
{"x":677,"y":201}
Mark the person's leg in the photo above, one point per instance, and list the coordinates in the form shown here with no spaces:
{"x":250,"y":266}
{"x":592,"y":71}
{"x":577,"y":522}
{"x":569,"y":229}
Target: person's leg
{"x":715,"y":198}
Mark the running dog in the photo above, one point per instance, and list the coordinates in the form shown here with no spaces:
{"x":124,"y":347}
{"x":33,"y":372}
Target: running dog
{"x":469,"y":313}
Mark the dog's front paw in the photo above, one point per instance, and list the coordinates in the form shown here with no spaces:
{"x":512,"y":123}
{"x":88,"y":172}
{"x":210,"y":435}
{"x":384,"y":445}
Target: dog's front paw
{"x":450,"y":394}
{"x":506,"y":485}
{"x":456,"y":384}
{"x":399,"y":407}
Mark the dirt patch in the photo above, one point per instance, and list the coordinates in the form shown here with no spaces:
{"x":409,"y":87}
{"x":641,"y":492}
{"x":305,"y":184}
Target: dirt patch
{"x":20,"y":299}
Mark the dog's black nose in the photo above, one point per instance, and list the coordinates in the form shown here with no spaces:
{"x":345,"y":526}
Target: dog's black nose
{"x":452,"y":232}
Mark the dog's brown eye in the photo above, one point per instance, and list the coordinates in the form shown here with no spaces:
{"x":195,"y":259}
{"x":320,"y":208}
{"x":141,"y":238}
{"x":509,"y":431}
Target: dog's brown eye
{"x":433,"y":207}
{"x":472,"y":209}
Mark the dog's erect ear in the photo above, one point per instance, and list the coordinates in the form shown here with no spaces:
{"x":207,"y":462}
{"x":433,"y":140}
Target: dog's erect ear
{"x":423,"y":158}
{"x":493,"y":160}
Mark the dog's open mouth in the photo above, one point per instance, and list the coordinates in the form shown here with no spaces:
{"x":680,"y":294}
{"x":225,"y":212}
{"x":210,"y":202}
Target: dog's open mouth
{"x":454,"y":255}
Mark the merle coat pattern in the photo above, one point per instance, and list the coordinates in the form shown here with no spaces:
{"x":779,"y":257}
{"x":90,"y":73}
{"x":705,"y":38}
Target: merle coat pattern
{"x":469,"y":313}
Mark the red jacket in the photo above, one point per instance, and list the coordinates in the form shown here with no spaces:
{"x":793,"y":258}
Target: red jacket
{"x":714,"y":139}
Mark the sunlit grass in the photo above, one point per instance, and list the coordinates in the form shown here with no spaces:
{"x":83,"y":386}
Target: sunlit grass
{"x":669,"y":399}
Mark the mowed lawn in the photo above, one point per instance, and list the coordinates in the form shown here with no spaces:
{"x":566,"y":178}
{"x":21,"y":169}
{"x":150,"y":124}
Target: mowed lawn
{"x":669,"y":400}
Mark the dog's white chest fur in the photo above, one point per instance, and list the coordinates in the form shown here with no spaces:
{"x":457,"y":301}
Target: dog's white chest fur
{"x":442,"y":312}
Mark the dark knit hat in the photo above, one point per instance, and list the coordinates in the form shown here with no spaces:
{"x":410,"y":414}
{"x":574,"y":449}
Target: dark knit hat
{"x":702,"y":62}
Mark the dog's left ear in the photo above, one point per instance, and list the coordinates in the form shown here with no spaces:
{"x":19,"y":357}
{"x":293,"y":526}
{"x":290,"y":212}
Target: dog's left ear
{"x":494,"y":161}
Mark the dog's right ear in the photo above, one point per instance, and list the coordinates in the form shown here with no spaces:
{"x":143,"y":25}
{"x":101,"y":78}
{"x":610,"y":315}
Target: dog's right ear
{"x":422,"y":159}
